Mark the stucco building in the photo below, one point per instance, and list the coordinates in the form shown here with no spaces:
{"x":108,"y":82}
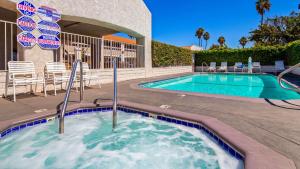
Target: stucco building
{"x":86,"y":26}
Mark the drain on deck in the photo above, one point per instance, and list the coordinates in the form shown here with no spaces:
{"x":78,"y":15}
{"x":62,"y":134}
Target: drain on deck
{"x":40,"y":110}
{"x":164,"y":106}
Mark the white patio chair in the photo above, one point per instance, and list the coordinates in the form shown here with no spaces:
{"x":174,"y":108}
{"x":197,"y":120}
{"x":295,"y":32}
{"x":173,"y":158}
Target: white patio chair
{"x":87,"y":74}
{"x":56,"y":73}
{"x":279,"y":66}
{"x":212,"y":67}
{"x":23,"y":73}
{"x":238,"y":66}
{"x":223,"y":67}
{"x":256,"y":65}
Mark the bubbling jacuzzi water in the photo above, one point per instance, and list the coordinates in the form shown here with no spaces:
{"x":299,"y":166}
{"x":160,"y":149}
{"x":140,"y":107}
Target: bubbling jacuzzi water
{"x":137,"y":142}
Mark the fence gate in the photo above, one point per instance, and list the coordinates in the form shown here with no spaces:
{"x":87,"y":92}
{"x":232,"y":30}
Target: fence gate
{"x":8,"y":43}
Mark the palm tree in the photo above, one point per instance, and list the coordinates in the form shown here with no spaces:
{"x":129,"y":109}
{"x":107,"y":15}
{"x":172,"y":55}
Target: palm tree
{"x":221,"y":41}
{"x":214,"y":47}
{"x":261,"y":7}
{"x":243,"y":41}
{"x":199,"y":34}
{"x":206,"y":37}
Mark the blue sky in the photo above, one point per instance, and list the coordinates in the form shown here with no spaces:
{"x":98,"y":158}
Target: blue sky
{"x":175,"y":21}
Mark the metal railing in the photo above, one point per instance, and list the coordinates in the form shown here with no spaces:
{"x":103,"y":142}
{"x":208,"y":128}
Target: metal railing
{"x":70,"y":85}
{"x":96,"y":51}
{"x":114,"y":122}
{"x":8,"y":43}
{"x":68,"y":92}
{"x":280,"y":76}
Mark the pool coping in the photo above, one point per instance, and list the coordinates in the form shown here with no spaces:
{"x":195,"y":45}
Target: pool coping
{"x":256,"y":154}
{"x":137,"y":86}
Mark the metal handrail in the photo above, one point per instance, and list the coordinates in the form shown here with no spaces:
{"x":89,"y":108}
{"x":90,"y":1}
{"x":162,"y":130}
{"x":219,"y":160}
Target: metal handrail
{"x":114,"y":122}
{"x":67,"y":96}
{"x":204,"y":63}
{"x":279,"y":78}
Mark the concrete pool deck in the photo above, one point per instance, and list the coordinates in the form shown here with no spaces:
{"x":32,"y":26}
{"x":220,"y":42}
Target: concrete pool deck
{"x":274,"y":124}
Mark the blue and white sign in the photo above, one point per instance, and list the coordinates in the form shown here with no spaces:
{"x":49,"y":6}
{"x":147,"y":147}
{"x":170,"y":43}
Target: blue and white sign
{"x":48,"y":42}
{"x":26,"y":8}
{"x":26,"y":24}
{"x":26,"y":39}
{"x":48,"y":14}
{"x":49,"y":28}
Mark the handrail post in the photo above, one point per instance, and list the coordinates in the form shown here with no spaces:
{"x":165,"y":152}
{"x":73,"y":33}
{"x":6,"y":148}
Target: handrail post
{"x":115,"y":94}
{"x":81,"y":81}
{"x":67,"y":96}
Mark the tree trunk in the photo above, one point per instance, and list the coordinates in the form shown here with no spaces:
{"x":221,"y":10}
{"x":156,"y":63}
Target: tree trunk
{"x":199,"y":42}
{"x":206,"y":44}
{"x":262,"y":20}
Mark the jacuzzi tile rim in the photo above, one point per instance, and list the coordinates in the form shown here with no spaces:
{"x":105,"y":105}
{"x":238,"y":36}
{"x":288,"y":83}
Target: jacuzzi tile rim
{"x":214,"y":137}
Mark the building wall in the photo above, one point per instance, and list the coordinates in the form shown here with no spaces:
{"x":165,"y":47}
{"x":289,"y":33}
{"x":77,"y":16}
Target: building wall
{"x":128,"y":16}
{"x":131,"y":17}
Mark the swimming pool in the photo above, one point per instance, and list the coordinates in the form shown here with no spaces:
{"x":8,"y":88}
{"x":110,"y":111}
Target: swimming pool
{"x":243,"y":85}
{"x":137,"y":142}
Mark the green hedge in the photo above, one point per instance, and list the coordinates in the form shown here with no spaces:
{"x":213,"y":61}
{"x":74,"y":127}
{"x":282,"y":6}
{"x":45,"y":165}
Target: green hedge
{"x":168,"y":55}
{"x":265,"y":55}
{"x":293,"y":52}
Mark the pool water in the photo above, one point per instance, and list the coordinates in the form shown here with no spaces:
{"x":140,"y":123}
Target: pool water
{"x":243,"y":85}
{"x":137,"y":142}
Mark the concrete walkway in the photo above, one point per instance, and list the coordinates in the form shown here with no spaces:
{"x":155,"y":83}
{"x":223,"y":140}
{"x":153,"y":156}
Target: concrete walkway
{"x":274,"y":124}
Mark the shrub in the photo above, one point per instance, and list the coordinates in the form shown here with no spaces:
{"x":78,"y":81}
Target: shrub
{"x":167,"y":55}
{"x":265,"y":55}
{"x":293,"y":52}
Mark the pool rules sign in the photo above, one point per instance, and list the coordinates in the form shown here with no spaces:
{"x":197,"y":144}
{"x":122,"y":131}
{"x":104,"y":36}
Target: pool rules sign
{"x":38,"y":26}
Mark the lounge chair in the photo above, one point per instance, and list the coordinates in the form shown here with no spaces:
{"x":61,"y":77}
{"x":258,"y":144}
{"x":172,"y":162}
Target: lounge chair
{"x":212,"y":67}
{"x":238,"y":66}
{"x":279,"y":66}
{"x":256,"y":65}
{"x":223,"y":67}
{"x":56,"y":73}
{"x":87,"y":74}
{"x":23,"y":73}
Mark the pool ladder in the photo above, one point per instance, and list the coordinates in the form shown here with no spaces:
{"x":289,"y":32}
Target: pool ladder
{"x":70,"y":85}
{"x":280,"y":76}
{"x":68,"y":92}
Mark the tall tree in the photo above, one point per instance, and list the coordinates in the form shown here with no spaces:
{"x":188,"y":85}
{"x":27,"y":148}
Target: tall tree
{"x":277,"y":31}
{"x":243,"y":41}
{"x":199,"y":34}
{"x":206,"y":37}
{"x":221,"y":41}
{"x":214,"y":47}
{"x":261,"y":7}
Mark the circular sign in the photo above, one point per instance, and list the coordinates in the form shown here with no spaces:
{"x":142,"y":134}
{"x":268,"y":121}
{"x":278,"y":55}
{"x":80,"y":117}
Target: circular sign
{"x":48,"y":42}
{"x":49,"y":28}
{"x":25,"y":23}
{"x":26,"y":8}
{"x":48,"y":14}
{"x":26,"y":39}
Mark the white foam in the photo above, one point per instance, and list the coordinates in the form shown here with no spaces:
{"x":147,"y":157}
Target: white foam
{"x":89,"y":142}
